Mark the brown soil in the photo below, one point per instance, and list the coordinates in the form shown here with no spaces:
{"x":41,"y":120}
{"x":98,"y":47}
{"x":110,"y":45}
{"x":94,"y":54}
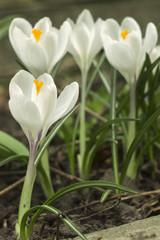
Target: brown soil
{"x":82,"y":208}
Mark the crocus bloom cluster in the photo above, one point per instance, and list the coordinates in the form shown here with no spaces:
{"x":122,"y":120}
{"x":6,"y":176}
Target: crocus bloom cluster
{"x":124,"y":46}
{"x":126,"y":51}
{"x":34,"y":103}
{"x":85,"y":41}
{"x":40,"y":47}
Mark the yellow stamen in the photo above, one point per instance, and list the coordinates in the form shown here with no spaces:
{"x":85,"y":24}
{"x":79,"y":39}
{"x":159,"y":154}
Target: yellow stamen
{"x":38,"y":85}
{"x":37,"y":33}
{"x":124,"y":34}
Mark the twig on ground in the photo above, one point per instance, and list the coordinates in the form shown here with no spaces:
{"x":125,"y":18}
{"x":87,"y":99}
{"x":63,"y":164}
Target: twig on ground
{"x":7,"y":189}
{"x":71,"y":177}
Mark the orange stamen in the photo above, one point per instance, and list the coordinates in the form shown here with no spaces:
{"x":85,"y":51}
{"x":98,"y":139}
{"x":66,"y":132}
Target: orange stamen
{"x":37,"y":33}
{"x":38,"y":85}
{"x":124,"y":34}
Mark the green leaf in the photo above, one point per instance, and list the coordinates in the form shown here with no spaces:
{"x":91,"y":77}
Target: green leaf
{"x":12,"y":144}
{"x":91,"y":154}
{"x":75,"y":187}
{"x":143,"y":149}
{"x":53,"y":210}
{"x":23,"y":158}
{"x":45,"y":180}
{"x":51,"y":135}
{"x":97,"y":65}
{"x":5,"y":152}
{"x":105,"y":195}
{"x":140,"y":132}
{"x":102,"y":128}
{"x":102,"y":74}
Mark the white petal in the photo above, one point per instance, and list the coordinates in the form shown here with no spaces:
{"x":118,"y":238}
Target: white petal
{"x":130,"y":24}
{"x":96,"y":43}
{"x":19,"y":42}
{"x":121,"y":57}
{"x":44,"y":24}
{"x":34,"y":57}
{"x":151,"y":37}
{"x":50,"y":44}
{"x":71,"y":23}
{"x":21,"y":83}
{"x":26,"y":114}
{"x":47,"y":78}
{"x":17,"y":37}
{"x":22,"y":24}
{"x":80,"y":45}
{"x":63,"y":40}
{"x":111,"y":28}
{"x":46,"y":102}
{"x":65,"y":102}
{"x":86,"y":18}
{"x":55,"y":44}
{"x":47,"y":98}
{"x":134,"y":42}
{"x":155,"y":53}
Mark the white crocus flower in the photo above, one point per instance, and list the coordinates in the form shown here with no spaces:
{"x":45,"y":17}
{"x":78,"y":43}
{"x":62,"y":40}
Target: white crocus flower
{"x":40,"y":47}
{"x":124,"y":46}
{"x":85,"y":41}
{"x":126,"y":50}
{"x":34,"y":103}
{"x":155,"y":54}
{"x":35,"y":106}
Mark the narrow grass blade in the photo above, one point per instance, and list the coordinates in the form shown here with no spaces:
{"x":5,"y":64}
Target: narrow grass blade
{"x":73,"y":145}
{"x":95,"y":72}
{"x":91,"y":154}
{"x":23,"y":158}
{"x":53,"y":210}
{"x":139,"y":157}
{"x":140,"y":132}
{"x":5,"y":152}
{"x":75,"y":187}
{"x":102,"y":128}
{"x":51,"y":135}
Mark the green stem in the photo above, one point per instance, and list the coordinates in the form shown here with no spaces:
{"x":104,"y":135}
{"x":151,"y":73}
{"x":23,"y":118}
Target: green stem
{"x":132,"y":126}
{"x":114,"y":133}
{"x":114,"y":137}
{"x":26,"y":194}
{"x":82,"y":122}
{"x":48,"y":190}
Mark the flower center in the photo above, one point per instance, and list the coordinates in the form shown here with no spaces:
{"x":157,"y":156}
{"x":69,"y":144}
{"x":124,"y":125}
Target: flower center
{"x":124,"y":34}
{"x":37,"y":33}
{"x":38,"y":85}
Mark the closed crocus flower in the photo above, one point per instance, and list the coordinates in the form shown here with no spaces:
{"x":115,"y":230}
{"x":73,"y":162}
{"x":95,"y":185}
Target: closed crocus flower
{"x":34,"y":103}
{"x":155,"y":53}
{"x":85,"y":41}
{"x":124,"y":47}
{"x":40,"y":47}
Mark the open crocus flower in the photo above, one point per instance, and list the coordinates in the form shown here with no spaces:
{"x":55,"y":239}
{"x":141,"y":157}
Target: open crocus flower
{"x":124,"y":47}
{"x":40,"y":47}
{"x":34,"y":103}
{"x":85,"y":41}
